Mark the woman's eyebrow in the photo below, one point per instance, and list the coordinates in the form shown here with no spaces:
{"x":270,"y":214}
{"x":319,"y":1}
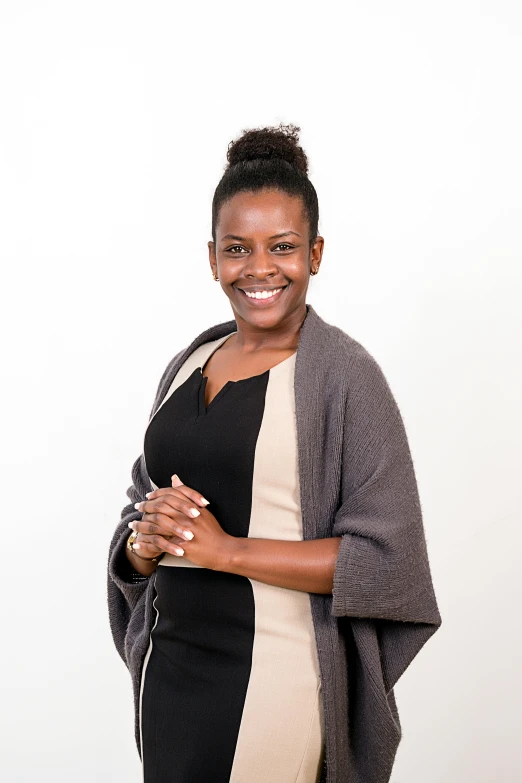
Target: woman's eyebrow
{"x":275,"y":236}
{"x":284,"y":234}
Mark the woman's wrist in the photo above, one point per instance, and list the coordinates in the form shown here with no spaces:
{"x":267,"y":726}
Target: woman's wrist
{"x":226,"y":554}
{"x":144,"y":566}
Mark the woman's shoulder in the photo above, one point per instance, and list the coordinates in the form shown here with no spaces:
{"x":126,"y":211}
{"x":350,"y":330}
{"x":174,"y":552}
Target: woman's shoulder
{"x":345,"y":354}
{"x":165,"y":379}
{"x":352,"y":373}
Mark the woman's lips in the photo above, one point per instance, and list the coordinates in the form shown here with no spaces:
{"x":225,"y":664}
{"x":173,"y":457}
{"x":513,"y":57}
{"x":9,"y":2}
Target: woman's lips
{"x":265,"y":301}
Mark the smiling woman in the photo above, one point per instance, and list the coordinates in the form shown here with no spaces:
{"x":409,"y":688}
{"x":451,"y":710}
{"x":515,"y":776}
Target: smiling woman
{"x":265,"y":242}
{"x":277,"y":564}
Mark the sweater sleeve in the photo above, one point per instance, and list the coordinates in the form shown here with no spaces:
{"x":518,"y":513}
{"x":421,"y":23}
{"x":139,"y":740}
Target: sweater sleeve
{"x":382,"y":574}
{"x":125,"y":585}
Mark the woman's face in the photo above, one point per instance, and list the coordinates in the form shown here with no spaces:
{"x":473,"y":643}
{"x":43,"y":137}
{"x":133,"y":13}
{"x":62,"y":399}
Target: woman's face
{"x":262,"y":244}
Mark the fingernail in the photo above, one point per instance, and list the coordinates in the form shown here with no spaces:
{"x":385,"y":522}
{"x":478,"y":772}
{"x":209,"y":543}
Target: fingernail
{"x":188,"y":534}
{"x":179,"y":551}
{"x":148,"y":494}
{"x":137,"y":505}
{"x":194,"y":512}
{"x":130,"y":524}
{"x":205,"y":501}
{"x":136,"y":546}
{"x":175,"y":477}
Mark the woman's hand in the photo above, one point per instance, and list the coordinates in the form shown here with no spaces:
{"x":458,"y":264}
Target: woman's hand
{"x":170,"y":525}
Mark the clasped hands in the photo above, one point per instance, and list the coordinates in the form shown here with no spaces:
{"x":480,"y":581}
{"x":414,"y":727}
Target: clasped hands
{"x":176,"y":520}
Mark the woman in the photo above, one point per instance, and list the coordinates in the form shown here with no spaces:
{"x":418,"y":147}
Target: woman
{"x":276,"y":582}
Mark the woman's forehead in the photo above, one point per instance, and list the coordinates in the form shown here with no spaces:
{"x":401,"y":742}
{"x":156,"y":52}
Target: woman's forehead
{"x":263,"y":211}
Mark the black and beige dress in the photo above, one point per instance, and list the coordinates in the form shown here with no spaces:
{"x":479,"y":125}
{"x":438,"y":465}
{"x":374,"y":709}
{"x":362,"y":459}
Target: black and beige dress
{"x":230,"y":686}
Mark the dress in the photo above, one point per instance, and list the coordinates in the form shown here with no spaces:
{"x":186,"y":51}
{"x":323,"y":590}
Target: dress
{"x":230,"y":686}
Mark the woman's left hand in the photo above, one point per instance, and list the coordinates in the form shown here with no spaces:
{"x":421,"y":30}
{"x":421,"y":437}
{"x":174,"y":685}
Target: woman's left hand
{"x":209,"y":548}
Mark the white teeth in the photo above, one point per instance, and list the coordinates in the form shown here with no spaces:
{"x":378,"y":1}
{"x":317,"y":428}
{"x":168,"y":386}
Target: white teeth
{"x":263,"y":294}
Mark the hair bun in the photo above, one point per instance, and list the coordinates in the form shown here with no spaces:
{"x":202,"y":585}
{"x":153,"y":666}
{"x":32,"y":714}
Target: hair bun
{"x":269,"y":143}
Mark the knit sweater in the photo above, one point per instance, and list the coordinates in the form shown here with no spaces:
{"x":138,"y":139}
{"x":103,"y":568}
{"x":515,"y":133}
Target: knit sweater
{"x":357,"y":482}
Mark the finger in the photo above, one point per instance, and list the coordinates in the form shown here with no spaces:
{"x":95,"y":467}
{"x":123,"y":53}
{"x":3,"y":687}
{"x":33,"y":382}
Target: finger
{"x":177,"y":483}
{"x":183,"y":490}
{"x":159,"y":542}
{"x":146,"y":549}
{"x":166,"y":503}
{"x":152,"y":524}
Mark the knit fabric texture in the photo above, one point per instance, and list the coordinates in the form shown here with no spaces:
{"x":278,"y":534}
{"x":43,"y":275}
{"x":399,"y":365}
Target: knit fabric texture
{"x":357,"y":481}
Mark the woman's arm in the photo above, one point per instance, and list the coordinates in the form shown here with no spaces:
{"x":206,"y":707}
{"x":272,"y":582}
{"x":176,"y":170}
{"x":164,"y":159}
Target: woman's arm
{"x":300,"y":565}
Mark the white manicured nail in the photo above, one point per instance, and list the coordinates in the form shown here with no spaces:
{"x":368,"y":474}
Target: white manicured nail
{"x":194,"y":512}
{"x":188,"y":534}
{"x":180,"y":551}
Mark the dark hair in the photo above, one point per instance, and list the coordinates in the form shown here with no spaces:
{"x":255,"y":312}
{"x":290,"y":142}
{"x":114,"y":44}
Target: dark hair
{"x":268,"y":158}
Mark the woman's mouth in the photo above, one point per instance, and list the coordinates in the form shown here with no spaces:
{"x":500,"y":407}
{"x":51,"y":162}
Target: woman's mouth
{"x":263,"y":298}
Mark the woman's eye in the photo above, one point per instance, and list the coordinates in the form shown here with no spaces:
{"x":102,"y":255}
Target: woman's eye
{"x":233,"y":247}
{"x":284,"y":244}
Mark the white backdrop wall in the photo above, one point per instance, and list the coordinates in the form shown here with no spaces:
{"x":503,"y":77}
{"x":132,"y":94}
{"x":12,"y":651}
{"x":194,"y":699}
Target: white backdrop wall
{"x":115,"y":122}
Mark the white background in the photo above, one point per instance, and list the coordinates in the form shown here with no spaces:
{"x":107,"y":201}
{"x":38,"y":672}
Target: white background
{"x":115,"y":121}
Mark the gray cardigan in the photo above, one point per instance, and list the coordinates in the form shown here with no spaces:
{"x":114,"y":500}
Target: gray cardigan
{"x":357,"y":481}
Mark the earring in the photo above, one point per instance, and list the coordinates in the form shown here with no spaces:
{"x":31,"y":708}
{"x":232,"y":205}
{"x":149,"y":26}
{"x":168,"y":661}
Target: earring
{"x":314,"y":272}
{"x":214,"y":276}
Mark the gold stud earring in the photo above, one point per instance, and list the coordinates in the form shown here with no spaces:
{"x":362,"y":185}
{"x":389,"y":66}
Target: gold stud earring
{"x":314,"y":272}
{"x":214,"y":276}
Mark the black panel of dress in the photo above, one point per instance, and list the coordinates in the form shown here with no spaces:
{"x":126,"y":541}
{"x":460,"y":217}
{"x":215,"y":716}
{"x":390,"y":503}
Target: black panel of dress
{"x":197,"y":674}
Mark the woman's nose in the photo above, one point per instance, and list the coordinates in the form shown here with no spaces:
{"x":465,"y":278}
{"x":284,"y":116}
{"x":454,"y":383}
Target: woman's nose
{"x":260,"y":261}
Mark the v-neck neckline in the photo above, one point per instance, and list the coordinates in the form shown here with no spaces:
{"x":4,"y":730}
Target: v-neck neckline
{"x":204,"y":409}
